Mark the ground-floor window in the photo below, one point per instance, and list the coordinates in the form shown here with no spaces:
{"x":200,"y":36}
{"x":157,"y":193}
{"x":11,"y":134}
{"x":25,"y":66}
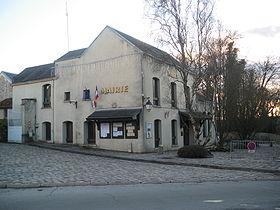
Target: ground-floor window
{"x":174,"y":132}
{"x":120,"y":130}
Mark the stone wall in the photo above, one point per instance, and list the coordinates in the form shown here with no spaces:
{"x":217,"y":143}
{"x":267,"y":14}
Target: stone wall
{"x":5,"y":88}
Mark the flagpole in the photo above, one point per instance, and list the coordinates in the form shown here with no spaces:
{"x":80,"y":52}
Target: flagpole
{"x":67,"y":27}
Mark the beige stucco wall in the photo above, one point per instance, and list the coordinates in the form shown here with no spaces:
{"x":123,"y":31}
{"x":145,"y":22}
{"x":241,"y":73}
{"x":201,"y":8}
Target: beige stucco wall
{"x":166,"y":74}
{"x":108,"y":62}
{"x":34,"y":91}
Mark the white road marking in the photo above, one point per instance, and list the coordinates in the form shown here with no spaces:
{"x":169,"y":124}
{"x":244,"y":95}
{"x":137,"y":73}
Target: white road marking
{"x":249,"y":205}
{"x":213,"y":201}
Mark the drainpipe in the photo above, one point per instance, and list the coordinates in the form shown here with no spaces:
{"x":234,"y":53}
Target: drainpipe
{"x":143,"y":98}
{"x":53,"y":108}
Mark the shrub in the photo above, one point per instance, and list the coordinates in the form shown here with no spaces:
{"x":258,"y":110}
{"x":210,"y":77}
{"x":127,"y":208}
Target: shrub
{"x":193,"y":151}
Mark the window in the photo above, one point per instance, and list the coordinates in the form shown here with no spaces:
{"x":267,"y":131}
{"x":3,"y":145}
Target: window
{"x":46,"y":96}
{"x":156,"y":91}
{"x":205,"y":128}
{"x":174,"y":132}
{"x":118,"y":130}
{"x":173,"y":94}
{"x":131,"y":131}
{"x":188,"y":94}
{"x":66,"y":96}
{"x":209,"y":126}
{"x":105,"y":131}
{"x":86,"y":94}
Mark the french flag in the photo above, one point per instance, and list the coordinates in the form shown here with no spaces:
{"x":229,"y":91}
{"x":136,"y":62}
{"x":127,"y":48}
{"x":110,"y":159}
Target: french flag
{"x":95,"y":98}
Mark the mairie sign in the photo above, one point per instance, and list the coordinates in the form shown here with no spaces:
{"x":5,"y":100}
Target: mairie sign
{"x":112,"y":90}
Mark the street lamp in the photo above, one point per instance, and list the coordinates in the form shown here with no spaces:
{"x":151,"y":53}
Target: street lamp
{"x":148,"y":104}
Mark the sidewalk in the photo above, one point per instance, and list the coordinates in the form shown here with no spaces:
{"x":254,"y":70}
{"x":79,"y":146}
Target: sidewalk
{"x":221,"y":160}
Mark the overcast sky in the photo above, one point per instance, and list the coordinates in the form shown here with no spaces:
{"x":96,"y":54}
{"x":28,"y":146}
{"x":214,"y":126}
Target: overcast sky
{"x":33,"y":32}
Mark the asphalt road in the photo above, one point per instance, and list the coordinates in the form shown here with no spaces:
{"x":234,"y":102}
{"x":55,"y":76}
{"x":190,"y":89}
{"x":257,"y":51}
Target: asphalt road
{"x":207,"y":195}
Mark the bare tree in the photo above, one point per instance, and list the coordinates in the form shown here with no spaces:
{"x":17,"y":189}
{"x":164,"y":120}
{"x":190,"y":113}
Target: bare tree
{"x":184,"y":27}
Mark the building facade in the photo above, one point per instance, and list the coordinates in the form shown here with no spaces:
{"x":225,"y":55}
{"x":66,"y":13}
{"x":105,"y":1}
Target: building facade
{"x":99,"y":96}
{"x":6,"y":79}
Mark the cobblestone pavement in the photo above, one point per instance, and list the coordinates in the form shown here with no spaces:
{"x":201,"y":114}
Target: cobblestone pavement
{"x":264,"y":159}
{"x":27,"y":166}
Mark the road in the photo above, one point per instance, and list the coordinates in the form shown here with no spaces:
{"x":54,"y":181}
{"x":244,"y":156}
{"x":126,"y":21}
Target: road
{"x":207,"y":195}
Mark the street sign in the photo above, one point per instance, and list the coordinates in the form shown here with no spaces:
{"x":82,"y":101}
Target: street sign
{"x":251,"y":146}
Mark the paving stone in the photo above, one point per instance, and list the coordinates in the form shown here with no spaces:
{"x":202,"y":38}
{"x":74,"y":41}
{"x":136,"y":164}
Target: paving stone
{"x":23,"y":165}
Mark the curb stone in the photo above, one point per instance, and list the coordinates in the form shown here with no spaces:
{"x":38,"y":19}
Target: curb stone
{"x":275,"y":172}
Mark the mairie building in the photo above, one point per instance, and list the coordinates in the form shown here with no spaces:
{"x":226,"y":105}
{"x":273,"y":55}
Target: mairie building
{"x":118,"y":94}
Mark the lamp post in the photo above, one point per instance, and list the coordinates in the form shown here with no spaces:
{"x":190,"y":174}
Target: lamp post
{"x":148,"y":104}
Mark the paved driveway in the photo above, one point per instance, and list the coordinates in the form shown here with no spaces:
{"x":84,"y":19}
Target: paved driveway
{"x":27,"y":166}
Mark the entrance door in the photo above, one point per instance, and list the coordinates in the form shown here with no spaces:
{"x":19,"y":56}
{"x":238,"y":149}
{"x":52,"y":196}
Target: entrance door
{"x":69,"y":132}
{"x":48,"y":131}
{"x":157,"y":130}
{"x":186,"y":134}
{"x":91,"y":132}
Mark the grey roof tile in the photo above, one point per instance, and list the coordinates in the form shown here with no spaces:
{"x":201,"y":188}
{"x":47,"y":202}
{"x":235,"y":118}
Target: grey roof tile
{"x":9,"y":75}
{"x":71,"y":55}
{"x":35,"y":73}
{"x":149,"y":49}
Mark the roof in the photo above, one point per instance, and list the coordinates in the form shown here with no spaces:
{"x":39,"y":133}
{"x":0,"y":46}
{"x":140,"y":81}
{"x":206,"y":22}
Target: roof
{"x":35,"y":73}
{"x":114,"y":114}
{"x":9,"y":75}
{"x":6,"y":103}
{"x":149,"y":49}
{"x":144,"y":47}
{"x":72,"y":54}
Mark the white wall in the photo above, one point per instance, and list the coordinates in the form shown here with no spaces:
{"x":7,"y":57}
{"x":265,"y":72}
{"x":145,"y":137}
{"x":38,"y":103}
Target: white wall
{"x":34,"y":91}
{"x":108,"y":62}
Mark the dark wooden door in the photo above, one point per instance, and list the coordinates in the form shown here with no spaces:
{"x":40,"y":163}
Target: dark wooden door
{"x":157,"y":130}
{"x":91,"y":132}
{"x":48,"y":131}
{"x":69,"y":132}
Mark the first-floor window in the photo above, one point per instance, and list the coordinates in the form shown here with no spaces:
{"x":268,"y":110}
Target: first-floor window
{"x":105,"y":131}
{"x":86,"y":94}
{"x":67,"y":96}
{"x":118,"y":129}
{"x":205,"y":128}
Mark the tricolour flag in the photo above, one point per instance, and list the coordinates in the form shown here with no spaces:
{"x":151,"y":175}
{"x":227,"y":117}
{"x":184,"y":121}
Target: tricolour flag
{"x":95,"y":98}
